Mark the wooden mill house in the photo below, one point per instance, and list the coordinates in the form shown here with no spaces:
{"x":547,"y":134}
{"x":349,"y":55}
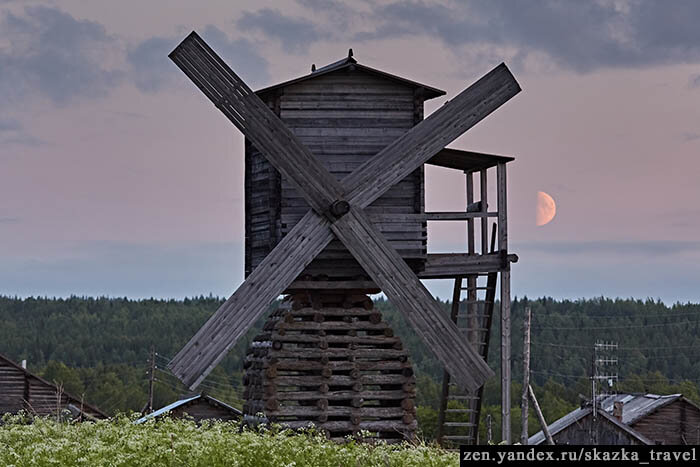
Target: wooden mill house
{"x":334,"y":212}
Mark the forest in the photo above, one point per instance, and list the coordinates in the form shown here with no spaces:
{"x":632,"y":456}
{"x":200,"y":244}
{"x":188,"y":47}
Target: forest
{"x":100,"y":347}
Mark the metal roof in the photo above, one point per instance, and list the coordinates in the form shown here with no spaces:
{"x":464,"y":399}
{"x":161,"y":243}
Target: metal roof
{"x":636,"y":407}
{"x":185,"y":401}
{"x":349,"y":63}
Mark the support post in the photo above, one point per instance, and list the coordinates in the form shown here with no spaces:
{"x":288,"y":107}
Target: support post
{"x":505,"y":303}
{"x":540,"y":417}
{"x":526,"y":376}
{"x":151,"y":376}
{"x":489,"y":430}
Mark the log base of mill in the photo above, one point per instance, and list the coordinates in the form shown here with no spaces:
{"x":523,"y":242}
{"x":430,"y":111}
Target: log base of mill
{"x":329,"y":360}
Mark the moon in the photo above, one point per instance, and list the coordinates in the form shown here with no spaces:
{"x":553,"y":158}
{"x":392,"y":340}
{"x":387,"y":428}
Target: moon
{"x":546,"y":208}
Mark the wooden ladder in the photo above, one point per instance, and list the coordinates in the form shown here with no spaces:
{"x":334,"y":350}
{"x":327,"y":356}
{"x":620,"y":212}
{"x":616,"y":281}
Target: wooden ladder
{"x":460,"y":410}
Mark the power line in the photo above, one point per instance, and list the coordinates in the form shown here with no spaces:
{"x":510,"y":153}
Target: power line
{"x":573,"y":346}
{"x":582,"y":328}
{"x":670,"y":314}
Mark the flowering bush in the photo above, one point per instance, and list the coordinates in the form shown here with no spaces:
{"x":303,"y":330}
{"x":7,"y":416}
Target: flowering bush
{"x":171,"y":442}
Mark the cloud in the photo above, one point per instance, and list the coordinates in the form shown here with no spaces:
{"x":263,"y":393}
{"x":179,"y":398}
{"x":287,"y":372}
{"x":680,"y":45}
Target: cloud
{"x":9,"y":220}
{"x":12,"y":132}
{"x":152,"y":70}
{"x":53,"y":55}
{"x":9,"y":124}
{"x":614,"y":248}
{"x":50,"y":54}
{"x":581,"y":36}
{"x":294,"y":34}
{"x":689,"y":136}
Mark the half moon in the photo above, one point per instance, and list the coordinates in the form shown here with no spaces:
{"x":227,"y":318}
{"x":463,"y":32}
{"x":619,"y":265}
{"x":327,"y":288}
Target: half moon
{"x":546,"y":208}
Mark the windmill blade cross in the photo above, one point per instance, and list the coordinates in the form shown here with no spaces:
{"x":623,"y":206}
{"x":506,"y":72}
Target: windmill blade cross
{"x":323,"y":193}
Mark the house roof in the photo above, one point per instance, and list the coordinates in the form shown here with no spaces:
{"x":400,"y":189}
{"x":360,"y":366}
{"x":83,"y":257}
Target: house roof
{"x":77,"y":402}
{"x":466,"y":160}
{"x":636,"y":407}
{"x":349,"y":63}
{"x":185,"y":402}
{"x":578,"y":414}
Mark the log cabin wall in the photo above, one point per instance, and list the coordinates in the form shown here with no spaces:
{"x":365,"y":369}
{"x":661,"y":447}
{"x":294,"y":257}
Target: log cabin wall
{"x":600,"y":432}
{"x":677,"y":423}
{"x":21,"y":390}
{"x":344,"y":117}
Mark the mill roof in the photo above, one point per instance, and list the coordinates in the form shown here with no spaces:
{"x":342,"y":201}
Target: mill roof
{"x":185,"y":402}
{"x":349,"y":62}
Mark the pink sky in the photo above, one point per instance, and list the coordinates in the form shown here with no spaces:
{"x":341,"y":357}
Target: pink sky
{"x":117,"y":176}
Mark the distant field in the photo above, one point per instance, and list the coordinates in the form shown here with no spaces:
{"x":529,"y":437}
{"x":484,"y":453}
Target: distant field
{"x":182,"y":443}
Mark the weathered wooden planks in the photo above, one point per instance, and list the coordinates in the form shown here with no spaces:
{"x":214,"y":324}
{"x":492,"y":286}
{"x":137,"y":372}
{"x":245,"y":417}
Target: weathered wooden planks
{"x":22,"y":390}
{"x":334,"y":364}
{"x":449,"y":265}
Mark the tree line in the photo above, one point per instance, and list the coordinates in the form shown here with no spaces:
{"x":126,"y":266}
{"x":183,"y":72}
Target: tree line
{"x":99,"y":348}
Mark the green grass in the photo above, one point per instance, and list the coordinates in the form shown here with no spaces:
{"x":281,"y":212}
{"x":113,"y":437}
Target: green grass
{"x":182,"y":443}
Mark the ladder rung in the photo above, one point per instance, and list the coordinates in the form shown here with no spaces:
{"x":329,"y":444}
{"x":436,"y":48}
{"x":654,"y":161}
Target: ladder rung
{"x":458,"y":397}
{"x":459,"y":410}
{"x":459,"y":424}
{"x":478,"y":288}
{"x":473,"y":329}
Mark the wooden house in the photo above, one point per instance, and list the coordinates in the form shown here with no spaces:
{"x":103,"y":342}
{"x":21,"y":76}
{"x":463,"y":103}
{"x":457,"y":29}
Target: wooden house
{"x":199,"y":407}
{"x":624,"y":419}
{"x":22,"y":390}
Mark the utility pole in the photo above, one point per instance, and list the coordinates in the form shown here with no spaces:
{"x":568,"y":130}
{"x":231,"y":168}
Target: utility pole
{"x":526,"y":375}
{"x":540,"y":416}
{"x":151,"y":377}
{"x":489,"y":429}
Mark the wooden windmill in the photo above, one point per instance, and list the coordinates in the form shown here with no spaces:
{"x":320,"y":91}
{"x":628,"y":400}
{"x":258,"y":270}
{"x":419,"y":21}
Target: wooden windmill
{"x":334,"y":211}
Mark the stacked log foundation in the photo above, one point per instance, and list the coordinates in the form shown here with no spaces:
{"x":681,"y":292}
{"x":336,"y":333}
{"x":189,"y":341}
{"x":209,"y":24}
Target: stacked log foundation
{"x":329,"y":359}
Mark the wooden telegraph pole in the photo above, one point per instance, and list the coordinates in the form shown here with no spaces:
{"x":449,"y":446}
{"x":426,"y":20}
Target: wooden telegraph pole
{"x":151,"y":377}
{"x":526,"y":375}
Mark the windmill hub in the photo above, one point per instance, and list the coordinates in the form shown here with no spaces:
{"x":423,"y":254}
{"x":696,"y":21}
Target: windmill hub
{"x":339,"y":208}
